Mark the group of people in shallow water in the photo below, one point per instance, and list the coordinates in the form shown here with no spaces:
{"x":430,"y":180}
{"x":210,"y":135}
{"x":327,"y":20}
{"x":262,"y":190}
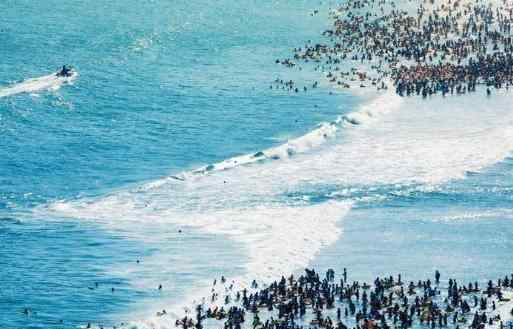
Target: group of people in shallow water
{"x":311,"y":301}
{"x":444,"y":47}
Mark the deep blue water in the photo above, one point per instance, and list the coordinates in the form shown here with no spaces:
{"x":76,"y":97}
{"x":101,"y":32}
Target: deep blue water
{"x":165,"y":87}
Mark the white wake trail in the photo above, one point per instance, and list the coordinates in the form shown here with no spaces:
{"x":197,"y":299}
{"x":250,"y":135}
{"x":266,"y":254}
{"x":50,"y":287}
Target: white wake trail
{"x":47,"y":82}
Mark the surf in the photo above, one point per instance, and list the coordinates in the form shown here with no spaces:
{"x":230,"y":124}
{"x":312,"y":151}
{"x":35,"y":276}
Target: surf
{"x":396,"y":141}
{"x":376,"y":105}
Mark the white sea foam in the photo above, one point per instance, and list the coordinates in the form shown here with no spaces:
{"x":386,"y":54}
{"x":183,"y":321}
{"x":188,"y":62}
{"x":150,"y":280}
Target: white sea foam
{"x":379,"y":105}
{"x":278,"y":239}
{"x":504,"y":309}
{"x":300,"y":231}
{"x":426,"y":142}
{"x":47,"y":82}
{"x":458,"y":216}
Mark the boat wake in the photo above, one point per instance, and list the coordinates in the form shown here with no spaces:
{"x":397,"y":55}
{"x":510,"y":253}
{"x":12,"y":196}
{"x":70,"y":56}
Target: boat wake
{"x":47,"y":82}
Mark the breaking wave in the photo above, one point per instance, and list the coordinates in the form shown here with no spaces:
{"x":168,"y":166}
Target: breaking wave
{"x":389,"y":140}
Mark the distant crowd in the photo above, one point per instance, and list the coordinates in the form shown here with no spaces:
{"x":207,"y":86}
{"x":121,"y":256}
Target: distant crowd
{"x":442,"y":47}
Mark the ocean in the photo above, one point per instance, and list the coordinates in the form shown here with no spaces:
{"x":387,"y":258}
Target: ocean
{"x":170,"y":161}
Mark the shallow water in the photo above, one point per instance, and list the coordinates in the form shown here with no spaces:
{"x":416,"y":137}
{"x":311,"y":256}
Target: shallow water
{"x":165,"y":88}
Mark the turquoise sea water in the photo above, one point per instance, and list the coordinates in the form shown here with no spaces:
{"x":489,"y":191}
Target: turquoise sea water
{"x":166,"y":87}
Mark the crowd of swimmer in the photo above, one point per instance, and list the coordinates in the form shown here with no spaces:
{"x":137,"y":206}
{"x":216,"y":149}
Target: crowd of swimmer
{"x":439,"y":46}
{"x":309,"y":302}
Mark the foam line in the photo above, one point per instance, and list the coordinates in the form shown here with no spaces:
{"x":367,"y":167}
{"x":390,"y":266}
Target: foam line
{"x":377,"y":106}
